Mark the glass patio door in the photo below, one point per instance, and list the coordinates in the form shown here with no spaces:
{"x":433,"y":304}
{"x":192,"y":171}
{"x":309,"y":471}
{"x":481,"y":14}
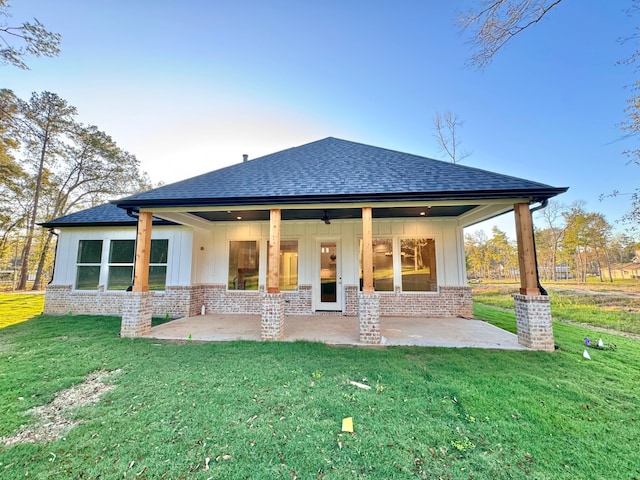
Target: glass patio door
{"x":330,"y":296}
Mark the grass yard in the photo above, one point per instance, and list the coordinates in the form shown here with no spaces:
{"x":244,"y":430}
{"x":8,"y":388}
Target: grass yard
{"x":18,"y":307}
{"x":274,"y":410}
{"x":615,"y":306}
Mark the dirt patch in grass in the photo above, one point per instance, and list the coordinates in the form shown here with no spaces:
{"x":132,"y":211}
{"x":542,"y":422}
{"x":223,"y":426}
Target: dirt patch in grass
{"x":52,"y":420}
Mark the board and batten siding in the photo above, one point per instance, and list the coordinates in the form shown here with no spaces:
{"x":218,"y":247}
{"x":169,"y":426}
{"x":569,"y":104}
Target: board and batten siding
{"x":211,"y":248}
{"x":198,"y":256}
{"x":178,"y":256}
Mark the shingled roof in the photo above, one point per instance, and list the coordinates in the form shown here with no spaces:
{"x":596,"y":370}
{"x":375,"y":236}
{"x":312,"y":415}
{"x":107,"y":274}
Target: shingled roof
{"x":334,"y":170}
{"x":102,"y":215}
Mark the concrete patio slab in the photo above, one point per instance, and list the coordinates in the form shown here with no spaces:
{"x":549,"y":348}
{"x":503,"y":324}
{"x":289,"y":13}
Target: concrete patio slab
{"x":336,"y":329}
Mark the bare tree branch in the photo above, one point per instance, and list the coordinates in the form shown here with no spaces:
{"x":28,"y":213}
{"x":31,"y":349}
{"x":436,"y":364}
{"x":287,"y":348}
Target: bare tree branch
{"x":446,"y":126}
{"x":495,"y":22}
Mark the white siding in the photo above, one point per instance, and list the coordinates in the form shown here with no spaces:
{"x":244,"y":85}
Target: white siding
{"x":447,"y":234}
{"x":198,"y":256}
{"x":178,"y":261}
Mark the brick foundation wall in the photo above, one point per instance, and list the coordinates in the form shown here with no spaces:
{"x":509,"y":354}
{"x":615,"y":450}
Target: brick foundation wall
{"x":197,"y":300}
{"x":174,"y":302}
{"x":448,"y":302}
{"x":218,"y":299}
{"x":272,"y":321}
{"x":180,"y":301}
{"x":351,"y":303}
{"x":533,"y":321}
{"x":369,"y":317}
{"x":62,"y":300}
{"x":298,"y":302}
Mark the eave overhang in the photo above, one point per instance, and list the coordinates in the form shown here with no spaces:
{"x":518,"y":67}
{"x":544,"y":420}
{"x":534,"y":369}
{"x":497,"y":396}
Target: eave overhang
{"x":533,"y":195}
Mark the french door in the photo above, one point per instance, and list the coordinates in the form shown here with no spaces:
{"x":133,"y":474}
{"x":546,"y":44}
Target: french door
{"x":329,"y":281}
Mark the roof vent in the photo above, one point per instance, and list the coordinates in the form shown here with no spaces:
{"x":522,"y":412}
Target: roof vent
{"x":245,"y":157}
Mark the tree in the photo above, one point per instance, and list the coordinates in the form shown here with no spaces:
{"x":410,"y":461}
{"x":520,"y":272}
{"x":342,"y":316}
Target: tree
{"x":92,"y":169}
{"x":16,"y":42}
{"x":44,"y":122}
{"x":11,"y":174}
{"x":631,"y":124}
{"x":446,"y":126}
{"x":59,"y":166}
{"x":495,"y":257}
{"x":477,"y":255}
{"x":622,"y":248}
{"x":586,"y":237}
{"x":503,"y":255}
{"x":496,"y":22}
{"x":549,"y":238}
{"x":13,"y":180}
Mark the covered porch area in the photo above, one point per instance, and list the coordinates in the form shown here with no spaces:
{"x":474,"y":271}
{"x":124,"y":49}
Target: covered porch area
{"x":336,"y":329}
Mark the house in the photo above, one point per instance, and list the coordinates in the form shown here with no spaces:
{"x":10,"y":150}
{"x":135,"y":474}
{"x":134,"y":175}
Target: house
{"x":332,"y":225}
{"x":627,"y":270}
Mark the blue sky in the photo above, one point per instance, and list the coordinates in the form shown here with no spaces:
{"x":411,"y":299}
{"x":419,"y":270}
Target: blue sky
{"x":189,"y":87}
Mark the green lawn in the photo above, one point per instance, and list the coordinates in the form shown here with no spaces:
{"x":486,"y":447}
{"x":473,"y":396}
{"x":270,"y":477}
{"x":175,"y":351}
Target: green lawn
{"x":609,"y":311}
{"x":274,"y":410}
{"x":18,"y":307}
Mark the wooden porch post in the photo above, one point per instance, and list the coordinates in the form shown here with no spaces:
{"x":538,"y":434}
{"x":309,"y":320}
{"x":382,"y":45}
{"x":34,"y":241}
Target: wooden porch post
{"x":368,"y":300}
{"x":143,"y":253}
{"x":138,"y":305}
{"x":272,"y":322}
{"x":273,"y":276}
{"x":526,"y":250}
{"x":367,"y":251}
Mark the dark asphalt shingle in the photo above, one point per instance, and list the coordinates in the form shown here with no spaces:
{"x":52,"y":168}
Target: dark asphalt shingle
{"x":107,"y":214}
{"x":331,"y":168}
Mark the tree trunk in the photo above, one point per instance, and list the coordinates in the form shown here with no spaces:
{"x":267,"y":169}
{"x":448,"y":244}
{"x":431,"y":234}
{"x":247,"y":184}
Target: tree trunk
{"x":599,"y":266}
{"x":37,"y":283}
{"x":554,"y":262}
{"x":24,"y":267}
{"x":606,"y":256}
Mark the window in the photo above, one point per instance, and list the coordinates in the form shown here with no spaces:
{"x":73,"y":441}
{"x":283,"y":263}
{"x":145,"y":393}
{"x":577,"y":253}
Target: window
{"x":418,"y":259}
{"x":288,"y":264}
{"x":88,"y":264}
{"x":158,"y":264}
{"x":382,"y":265}
{"x":243,"y":265}
{"x":121,"y":255}
{"x":121,"y":261}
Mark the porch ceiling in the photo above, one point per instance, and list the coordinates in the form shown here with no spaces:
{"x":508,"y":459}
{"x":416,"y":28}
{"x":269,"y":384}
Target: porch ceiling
{"x":336,"y":213}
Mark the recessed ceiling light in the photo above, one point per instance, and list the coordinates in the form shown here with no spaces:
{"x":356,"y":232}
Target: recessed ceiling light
{"x":422,"y":214}
{"x":238,"y":218}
